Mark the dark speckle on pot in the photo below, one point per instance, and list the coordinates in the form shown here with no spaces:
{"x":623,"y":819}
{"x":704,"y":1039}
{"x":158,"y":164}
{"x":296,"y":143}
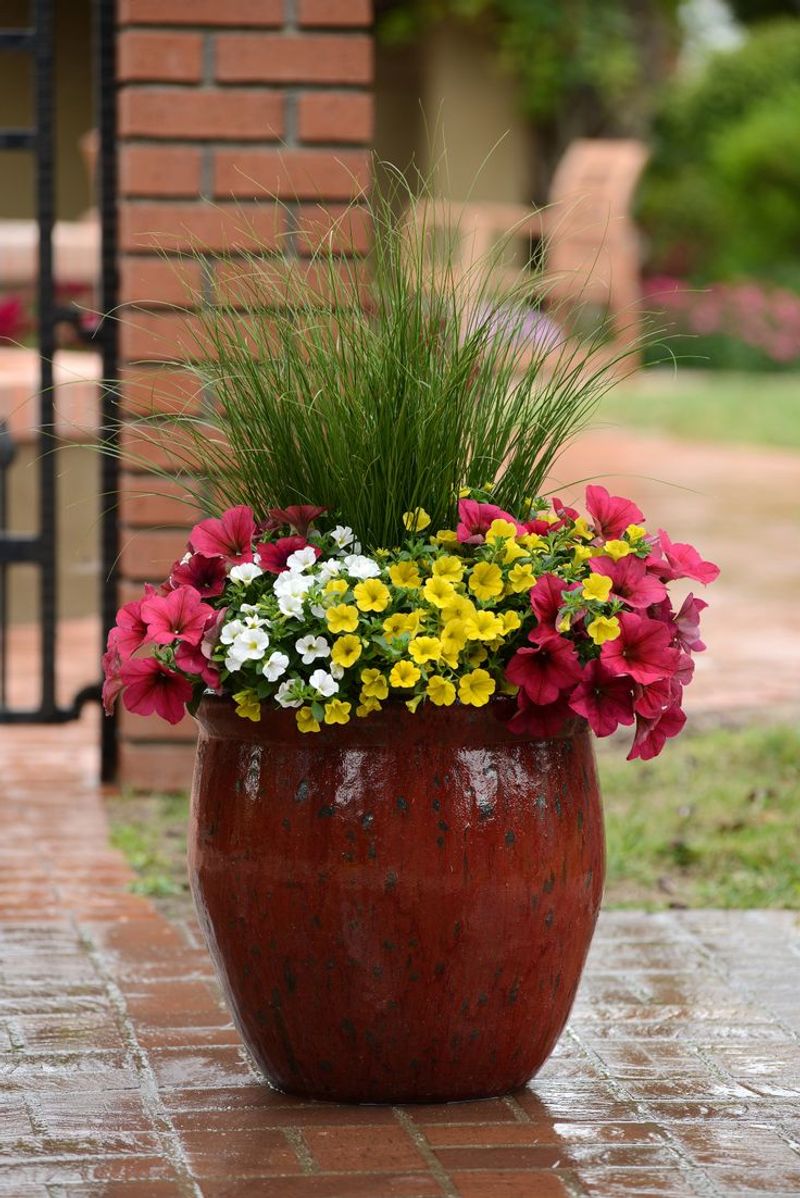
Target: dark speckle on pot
{"x":301,"y":794}
{"x":391,"y":880}
{"x":325,"y":812}
{"x":510,"y":838}
{"x":401,"y":804}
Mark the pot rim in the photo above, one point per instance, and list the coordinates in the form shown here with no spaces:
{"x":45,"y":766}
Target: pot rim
{"x":458,"y":724}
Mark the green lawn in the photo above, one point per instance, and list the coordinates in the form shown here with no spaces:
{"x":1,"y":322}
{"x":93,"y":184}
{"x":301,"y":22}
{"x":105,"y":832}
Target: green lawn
{"x":756,"y":409}
{"x":713,"y":822}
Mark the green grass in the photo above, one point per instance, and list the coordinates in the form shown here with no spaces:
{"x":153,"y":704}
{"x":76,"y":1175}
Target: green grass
{"x":758,"y":409}
{"x":713,"y":822}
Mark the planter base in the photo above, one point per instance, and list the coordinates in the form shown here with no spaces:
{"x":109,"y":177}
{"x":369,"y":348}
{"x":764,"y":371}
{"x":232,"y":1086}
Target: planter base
{"x":400,"y":909}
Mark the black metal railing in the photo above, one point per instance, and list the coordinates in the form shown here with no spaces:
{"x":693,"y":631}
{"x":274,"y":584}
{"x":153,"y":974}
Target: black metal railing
{"x":40,"y":549}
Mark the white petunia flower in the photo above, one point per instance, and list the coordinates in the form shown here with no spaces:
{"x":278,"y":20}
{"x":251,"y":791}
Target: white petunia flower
{"x":232,"y":663}
{"x":255,"y":622}
{"x":328,"y":569}
{"x":251,"y":645}
{"x":295,"y":585}
{"x":246,"y":572}
{"x":341,"y":536}
{"x":250,"y":609}
{"x":290,"y":605}
{"x":323,"y":683}
{"x":275,"y":665}
{"x":318,"y":610}
{"x":230,"y":631}
{"x":358,"y":566}
{"x":301,"y":559}
{"x":311,"y":647}
{"x":337,"y":670}
{"x":285,"y":694}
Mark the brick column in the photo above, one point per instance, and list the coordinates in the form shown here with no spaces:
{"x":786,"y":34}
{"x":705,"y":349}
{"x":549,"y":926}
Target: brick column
{"x":228,"y":101}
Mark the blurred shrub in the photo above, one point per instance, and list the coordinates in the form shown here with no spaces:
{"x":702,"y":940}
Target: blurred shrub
{"x":720,"y":196}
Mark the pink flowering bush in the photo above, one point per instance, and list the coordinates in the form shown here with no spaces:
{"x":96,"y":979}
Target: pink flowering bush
{"x":565,"y":615}
{"x":765,"y":320}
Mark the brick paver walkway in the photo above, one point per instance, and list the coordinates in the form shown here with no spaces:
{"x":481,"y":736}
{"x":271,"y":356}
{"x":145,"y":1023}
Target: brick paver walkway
{"x":121,"y":1075}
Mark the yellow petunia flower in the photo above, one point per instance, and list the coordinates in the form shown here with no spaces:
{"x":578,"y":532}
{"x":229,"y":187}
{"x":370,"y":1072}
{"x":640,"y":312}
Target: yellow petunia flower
{"x":394,"y":625}
{"x":475,"y":689}
{"x":372,"y":595}
{"x":521,"y":578}
{"x":450,"y":568}
{"x":582,"y":553}
{"x":342,"y":618}
{"x":476,"y":654}
{"x":337,"y":712}
{"x":440,"y":691}
{"x":581,"y":529}
{"x":635,"y":532}
{"x":374,"y":685}
{"x":425,"y":648}
{"x":404,"y":674}
{"x":405,"y":574}
{"x":464,"y":492}
{"x":533,"y":541}
{"x":459,"y":608}
{"x":367,"y":705}
{"x":413,"y":704}
{"x":484,"y":626}
{"x":603,"y":628}
{"x":438,"y":591}
{"x":248,"y":705}
{"x":450,"y":658}
{"x":597,"y":587}
{"x":335,"y":586}
{"x":512,"y":552}
{"x":500,"y":530}
{"x":486,"y":581}
{"x":445,"y":536}
{"x":512,"y":620}
{"x":305,"y":720}
{"x":565,"y":623}
{"x":454,"y":636}
{"x":616,"y":549}
{"x":416,"y":520}
{"x":346,"y":650}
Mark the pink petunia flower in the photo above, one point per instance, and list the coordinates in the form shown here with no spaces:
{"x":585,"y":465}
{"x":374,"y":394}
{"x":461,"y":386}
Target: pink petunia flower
{"x":684,"y":561}
{"x":611,"y":513}
{"x":180,"y":615}
{"x":652,"y":735}
{"x":131,"y":626}
{"x":150,"y":687}
{"x":533,"y":719}
{"x":603,"y":698}
{"x":273,"y":555}
{"x":474,"y":521}
{"x":546,"y":670}
{"x":642,"y":649}
{"x":651,"y":700}
{"x":206,"y":574}
{"x":299,"y":517}
{"x":112,"y":677}
{"x":547,"y":598}
{"x":685,"y":624}
{"x":192,"y":660}
{"x":630,"y":580}
{"x":229,"y":535}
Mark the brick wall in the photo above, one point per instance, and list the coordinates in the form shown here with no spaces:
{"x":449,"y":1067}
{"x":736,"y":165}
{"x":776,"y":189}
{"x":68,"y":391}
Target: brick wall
{"x":221,"y":103}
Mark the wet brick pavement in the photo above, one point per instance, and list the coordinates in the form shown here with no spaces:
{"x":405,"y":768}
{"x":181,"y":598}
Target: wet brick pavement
{"x":679,"y":1074}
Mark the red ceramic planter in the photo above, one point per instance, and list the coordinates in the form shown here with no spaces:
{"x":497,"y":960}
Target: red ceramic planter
{"x":399,"y":909}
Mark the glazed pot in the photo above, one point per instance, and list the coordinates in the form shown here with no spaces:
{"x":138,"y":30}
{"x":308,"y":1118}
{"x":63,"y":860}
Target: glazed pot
{"x":399,"y":909}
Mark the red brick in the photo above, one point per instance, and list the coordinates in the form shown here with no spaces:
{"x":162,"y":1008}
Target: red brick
{"x":291,"y":174}
{"x":157,"y":447}
{"x":156,"y":767}
{"x":146,"y":500}
{"x":232,"y":115}
{"x":322,"y":13}
{"x":178,"y":227}
{"x":336,"y":116}
{"x":163,"y":57}
{"x":151,"y":390}
{"x":311,"y":58}
{"x":159,"y":171}
{"x":147,"y":556}
{"x":510,"y":1183}
{"x":356,"y":1148}
{"x":255,"y":13}
{"x":159,"y":336}
{"x":156,"y":281}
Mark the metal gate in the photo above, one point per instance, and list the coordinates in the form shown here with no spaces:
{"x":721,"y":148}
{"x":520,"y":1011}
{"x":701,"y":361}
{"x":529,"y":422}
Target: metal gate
{"x":40,"y":548}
